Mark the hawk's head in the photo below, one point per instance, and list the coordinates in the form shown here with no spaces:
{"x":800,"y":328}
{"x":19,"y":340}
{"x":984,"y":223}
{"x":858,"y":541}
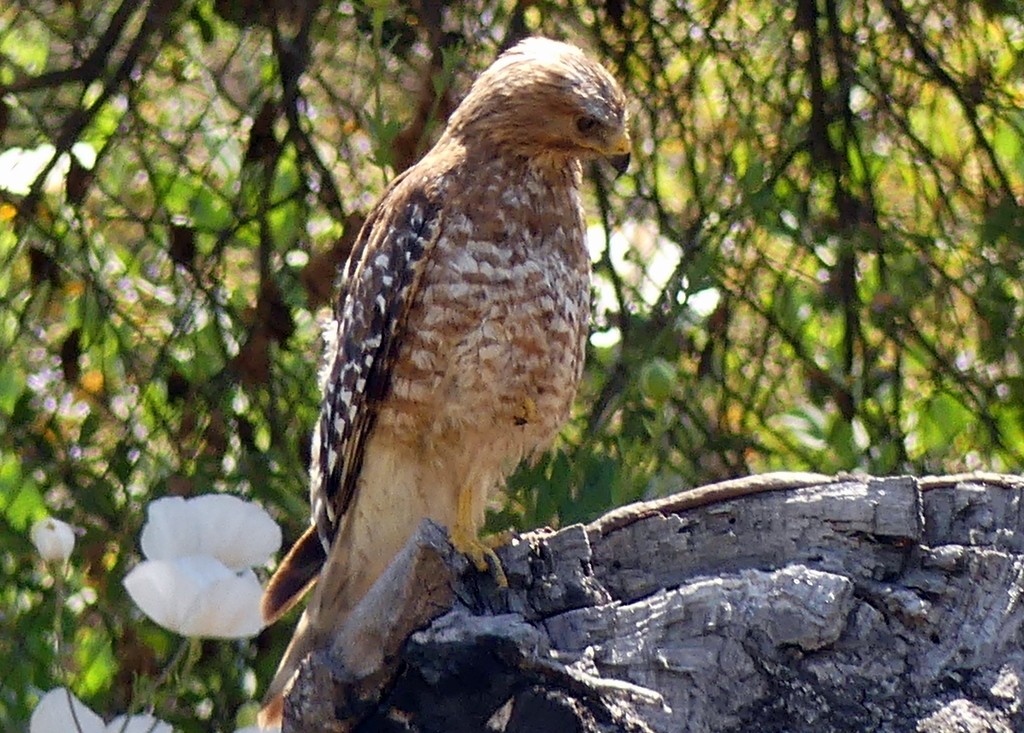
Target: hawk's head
{"x":544,"y":98}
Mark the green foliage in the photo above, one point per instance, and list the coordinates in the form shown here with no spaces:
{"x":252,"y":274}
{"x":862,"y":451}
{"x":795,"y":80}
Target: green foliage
{"x":814,"y":263}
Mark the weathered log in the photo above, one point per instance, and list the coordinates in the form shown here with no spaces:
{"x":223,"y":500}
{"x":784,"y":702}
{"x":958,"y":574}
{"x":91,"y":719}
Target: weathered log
{"x":784,"y":602}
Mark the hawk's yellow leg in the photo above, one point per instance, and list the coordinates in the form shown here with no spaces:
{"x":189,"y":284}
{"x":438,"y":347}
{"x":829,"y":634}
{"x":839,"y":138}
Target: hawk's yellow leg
{"x":466,"y":541}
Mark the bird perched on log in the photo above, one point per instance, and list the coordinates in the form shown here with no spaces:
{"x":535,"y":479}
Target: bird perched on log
{"x":458,"y":337}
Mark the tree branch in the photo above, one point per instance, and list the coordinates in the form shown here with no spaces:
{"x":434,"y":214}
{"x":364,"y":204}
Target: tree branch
{"x":91,"y":68}
{"x":76,"y":123}
{"x":845,"y":603}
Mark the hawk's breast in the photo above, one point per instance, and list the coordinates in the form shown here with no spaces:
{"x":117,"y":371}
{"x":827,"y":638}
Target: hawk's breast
{"x":494,"y":344}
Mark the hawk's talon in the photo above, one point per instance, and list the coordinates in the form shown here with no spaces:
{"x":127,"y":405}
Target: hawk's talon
{"x":480,"y":554}
{"x":465,"y":539}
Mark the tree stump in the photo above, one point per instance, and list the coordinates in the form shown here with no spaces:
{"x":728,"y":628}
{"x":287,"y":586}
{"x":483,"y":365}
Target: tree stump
{"x":783,"y":602}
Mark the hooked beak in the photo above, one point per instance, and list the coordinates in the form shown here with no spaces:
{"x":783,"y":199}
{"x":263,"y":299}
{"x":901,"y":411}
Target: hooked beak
{"x":618,"y":154}
{"x":620,"y":163}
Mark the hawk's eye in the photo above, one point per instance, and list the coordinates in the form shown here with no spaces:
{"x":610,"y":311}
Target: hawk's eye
{"x":586,"y":124}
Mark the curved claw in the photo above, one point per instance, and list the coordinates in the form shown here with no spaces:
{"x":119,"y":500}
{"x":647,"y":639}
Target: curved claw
{"x":480,"y":554}
{"x":465,"y":540}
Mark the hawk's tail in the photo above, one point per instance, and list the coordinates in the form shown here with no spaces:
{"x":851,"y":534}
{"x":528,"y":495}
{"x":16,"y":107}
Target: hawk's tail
{"x":294,"y":576}
{"x":307,"y":637}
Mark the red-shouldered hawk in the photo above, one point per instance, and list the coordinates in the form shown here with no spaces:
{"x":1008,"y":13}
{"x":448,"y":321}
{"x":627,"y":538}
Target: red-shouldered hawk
{"x":458,"y":338}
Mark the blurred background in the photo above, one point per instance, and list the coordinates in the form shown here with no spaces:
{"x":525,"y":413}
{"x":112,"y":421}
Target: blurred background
{"x":814,"y":263}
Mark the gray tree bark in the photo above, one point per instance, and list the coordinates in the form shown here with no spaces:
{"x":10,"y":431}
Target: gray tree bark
{"x":783,"y":602}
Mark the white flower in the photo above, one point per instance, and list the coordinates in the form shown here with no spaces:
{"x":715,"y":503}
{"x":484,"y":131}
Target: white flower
{"x":259,"y":729}
{"x":238,"y":533}
{"x":59,"y":711}
{"x":197,"y":579}
{"x":197,"y":597}
{"x":137,"y":724}
{"x":53,"y":539}
{"x":54,"y":714}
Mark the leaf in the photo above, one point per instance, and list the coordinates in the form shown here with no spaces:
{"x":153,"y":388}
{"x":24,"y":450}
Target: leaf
{"x":595,"y":493}
{"x":96,"y":665}
{"x":806,"y":425}
{"x":24,"y":48}
{"x":20,"y":499}
{"x":197,"y":14}
{"x":943,"y":419}
{"x":12,"y":386}
{"x":551,"y":493}
{"x":208,"y":210}
{"x":206,"y":356}
{"x":842,"y":445}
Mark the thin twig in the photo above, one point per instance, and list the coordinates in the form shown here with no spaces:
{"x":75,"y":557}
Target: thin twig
{"x":91,"y":68}
{"x":80,"y":119}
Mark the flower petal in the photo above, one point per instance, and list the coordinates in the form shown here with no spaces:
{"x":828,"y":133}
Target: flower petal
{"x":169,"y":531}
{"x":163,"y":591}
{"x":138,"y":724}
{"x":230,"y":608}
{"x":53,"y":539}
{"x":54,"y":714}
{"x":238,"y":533}
{"x":197,"y":597}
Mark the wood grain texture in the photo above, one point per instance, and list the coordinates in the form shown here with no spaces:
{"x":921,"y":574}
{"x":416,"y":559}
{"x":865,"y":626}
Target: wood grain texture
{"x":778,"y":603}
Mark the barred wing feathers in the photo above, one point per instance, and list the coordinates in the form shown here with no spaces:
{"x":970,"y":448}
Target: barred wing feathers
{"x":380,"y":282}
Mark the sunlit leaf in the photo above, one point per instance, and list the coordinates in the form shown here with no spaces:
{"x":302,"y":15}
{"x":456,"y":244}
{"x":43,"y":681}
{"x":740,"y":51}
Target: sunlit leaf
{"x":95,"y":661}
